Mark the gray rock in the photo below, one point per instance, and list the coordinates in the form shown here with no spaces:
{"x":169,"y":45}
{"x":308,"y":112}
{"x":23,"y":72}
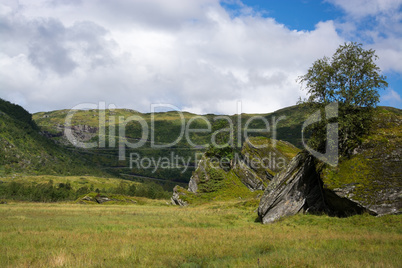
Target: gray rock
{"x":175,"y":199}
{"x":102,"y":199}
{"x":296,"y":189}
{"x":195,"y":178}
{"x":299,"y":188}
{"x":248,"y":176}
{"x":87,"y":198}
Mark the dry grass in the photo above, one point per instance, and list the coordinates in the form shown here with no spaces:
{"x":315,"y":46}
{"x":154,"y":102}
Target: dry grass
{"x":213,"y":235}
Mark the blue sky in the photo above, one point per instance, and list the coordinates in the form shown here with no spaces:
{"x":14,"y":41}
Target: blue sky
{"x":202,"y":56}
{"x":304,"y":15}
{"x":296,"y":15}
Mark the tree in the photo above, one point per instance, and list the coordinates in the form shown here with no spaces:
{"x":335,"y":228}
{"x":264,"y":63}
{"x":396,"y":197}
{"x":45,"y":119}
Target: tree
{"x":352,"y":79}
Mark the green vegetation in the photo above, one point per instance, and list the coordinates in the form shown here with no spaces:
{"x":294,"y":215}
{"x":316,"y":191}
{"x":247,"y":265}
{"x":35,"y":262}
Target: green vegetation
{"x":60,"y":188}
{"x":167,"y":127}
{"x":374,"y":170}
{"x":212,"y":235}
{"x":352,"y":79}
{"x":222,"y":172}
{"x":17,"y":112}
{"x":23,"y":150}
{"x":268,"y":155}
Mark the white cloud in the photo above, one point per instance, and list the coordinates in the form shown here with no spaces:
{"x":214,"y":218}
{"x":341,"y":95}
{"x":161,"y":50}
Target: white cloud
{"x":392,"y":97}
{"x":377,"y":23}
{"x":192,"y":54}
{"x":362,"y":8}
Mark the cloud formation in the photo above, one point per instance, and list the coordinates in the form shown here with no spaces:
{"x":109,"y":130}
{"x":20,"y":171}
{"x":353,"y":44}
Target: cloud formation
{"x":192,"y":54}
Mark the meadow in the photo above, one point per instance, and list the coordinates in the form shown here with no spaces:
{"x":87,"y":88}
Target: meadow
{"x":217,"y":234}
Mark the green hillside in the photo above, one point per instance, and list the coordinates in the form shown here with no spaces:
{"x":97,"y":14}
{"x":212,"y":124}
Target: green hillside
{"x":372,"y":176}
{"x":24,"y":150}
{"x":285,"y":124}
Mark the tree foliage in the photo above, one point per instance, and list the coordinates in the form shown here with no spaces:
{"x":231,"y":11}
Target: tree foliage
{"x":17,"y":112}
{"x":351,"y":78}
{"x":49,"y":192}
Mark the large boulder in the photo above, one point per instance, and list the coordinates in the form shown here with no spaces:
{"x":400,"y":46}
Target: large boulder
{"x":296,"y":189}
{"x":369,"y":181}
{"x":299,"y":189}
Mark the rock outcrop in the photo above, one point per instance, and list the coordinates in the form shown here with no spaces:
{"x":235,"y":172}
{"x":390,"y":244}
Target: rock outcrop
{"x":249,"y":177}
{"x":176,"y":198}
{"x":300,"y":189}
{"x":296,"y":189}
{"x":253,"y":168}
{"x":372,"y":176}
{"x":267,"y":156}
{"x":369,"y":181}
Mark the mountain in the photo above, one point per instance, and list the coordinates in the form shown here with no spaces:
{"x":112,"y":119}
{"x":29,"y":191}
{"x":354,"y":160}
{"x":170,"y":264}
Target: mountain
{"x":164,"y":128}
{"x":368,"y":181}
{"x":24,"y":150}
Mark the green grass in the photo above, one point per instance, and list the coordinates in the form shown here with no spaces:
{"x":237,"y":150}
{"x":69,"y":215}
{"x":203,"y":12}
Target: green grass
{"x":75,"y":181}
{"x":376,"y":168}
{"x":214,"y":235}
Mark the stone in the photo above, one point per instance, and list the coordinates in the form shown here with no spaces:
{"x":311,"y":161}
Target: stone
{"x":295,"y":189}
{"x":176,"y":197}
{"x":248,"y":176}
{"x":87,"y":198}
{"x":102,"y":199}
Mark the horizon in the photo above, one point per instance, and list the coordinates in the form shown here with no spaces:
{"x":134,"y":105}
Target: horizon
{"x":201,"y":56}
{"x":183,"y":111}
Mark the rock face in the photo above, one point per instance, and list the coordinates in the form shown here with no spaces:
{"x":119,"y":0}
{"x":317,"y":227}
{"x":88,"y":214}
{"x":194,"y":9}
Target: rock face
{"x":196,"y":177}
{"x":368,"y":181}
{"x":299,"y":188}
{"x":249,"y":177}
{"x":102,"y":199}
{"x":296,"y":189}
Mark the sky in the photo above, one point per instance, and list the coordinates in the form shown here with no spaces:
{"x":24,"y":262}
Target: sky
{"x":201,"y":56}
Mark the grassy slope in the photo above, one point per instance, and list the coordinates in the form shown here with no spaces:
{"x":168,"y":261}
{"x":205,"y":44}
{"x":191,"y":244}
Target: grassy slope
{"x":288,"y":122}
{"x":277,"y":154}
{"x":24,"y":150}
{"x":167,"y":129}
{"x":376,"y":171}
{"x":226,"y":185}
{"x":223,"y":186}
{"x":215,"y":235}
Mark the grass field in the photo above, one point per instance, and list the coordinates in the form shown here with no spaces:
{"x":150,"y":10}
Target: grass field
{"x":213,"y":235}
{"x":75,"y":181}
